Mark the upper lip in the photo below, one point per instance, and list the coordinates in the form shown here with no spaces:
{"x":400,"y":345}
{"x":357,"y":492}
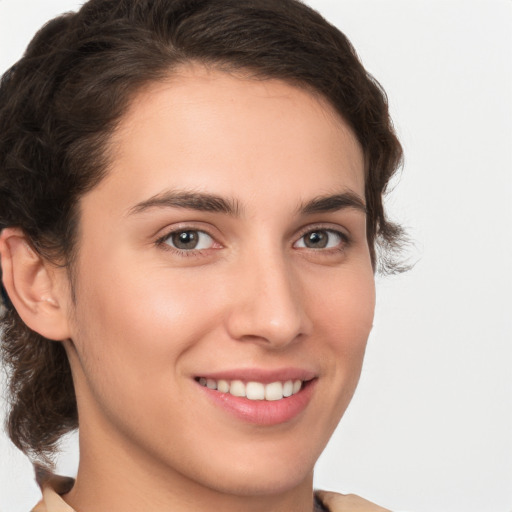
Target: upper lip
{"x":265,"y":376}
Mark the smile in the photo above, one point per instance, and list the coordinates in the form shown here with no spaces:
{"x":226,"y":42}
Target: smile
{"x":253,"y":390}
{"x":260,"y":396}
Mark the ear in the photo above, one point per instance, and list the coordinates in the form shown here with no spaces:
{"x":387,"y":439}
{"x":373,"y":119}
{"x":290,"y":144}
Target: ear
{"x":36,"y":288}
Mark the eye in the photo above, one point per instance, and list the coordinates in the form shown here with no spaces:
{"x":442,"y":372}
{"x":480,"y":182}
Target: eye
{"x":189,"y":240}
{"x":321,"y":239}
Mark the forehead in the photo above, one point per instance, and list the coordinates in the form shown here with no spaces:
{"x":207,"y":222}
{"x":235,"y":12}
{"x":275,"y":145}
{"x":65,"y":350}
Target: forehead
{"x":203,"y":128}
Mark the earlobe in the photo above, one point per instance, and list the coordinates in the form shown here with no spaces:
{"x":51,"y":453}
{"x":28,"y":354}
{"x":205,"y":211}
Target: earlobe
{"x":33,"y":285}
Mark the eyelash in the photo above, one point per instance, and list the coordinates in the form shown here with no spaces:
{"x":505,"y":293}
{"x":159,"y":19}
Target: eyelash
{"x":162,"y":241}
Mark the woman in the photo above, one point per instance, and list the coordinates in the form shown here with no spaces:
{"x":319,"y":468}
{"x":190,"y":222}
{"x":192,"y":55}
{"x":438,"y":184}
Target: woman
{"x":191,"y":199}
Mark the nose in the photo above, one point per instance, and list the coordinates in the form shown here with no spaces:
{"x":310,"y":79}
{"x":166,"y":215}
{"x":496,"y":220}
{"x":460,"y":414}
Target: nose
{"x":268,"y":304}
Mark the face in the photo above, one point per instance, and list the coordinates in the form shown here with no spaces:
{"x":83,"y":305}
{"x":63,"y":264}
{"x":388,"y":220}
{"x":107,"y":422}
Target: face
{"x":225,"y":249}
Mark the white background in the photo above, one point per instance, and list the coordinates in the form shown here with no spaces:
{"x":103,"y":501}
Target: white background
{"x":430,"y":428}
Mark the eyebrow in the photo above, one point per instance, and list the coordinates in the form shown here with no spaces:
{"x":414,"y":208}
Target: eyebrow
{"x":332,"y":203}
{"x":213,"y":203}
{"x":189,"y":200}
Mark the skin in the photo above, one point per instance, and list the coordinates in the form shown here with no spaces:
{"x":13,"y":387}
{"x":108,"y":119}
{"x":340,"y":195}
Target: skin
{"x":148,"y":318}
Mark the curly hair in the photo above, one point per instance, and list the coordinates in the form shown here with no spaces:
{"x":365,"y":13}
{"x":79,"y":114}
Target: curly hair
{"x":62,"y":101}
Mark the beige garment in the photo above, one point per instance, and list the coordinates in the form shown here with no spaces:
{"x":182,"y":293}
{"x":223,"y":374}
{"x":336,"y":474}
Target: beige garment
{"x":52,"y":487}
{"x":334,"y":502}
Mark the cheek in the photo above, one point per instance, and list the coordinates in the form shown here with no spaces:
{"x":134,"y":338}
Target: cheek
{"x":346,"y":310}
{"x":344,"y":319}
{"x":133,"y":327}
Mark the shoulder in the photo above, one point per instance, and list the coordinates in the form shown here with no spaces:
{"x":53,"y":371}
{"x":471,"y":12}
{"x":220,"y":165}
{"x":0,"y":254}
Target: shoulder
{"x":52,"y":487}
{"x":335,"y":502}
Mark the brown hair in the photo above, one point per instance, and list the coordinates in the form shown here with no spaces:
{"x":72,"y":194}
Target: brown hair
{"x":60,"y":103}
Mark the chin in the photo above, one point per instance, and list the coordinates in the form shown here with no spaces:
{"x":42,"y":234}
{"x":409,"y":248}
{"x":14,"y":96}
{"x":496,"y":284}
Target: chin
{"x":252,"y":483}
{"x":265,"y":472}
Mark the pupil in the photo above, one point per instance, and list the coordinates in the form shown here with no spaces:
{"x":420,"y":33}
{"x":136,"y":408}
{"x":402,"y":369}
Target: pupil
{"x":316,"y":239}
{"x":185,"y":240}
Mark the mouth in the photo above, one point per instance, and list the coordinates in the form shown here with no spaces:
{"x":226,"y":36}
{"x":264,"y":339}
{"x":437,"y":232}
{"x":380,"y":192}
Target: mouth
{"x":254,"y":390}
{"x":260,"y":398}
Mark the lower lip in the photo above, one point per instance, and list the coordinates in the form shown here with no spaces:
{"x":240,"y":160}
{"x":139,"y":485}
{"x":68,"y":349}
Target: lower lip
{"x":263,"y":412}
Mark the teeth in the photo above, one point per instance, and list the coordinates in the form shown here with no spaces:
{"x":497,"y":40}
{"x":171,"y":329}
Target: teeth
{"x":288,"y":388}
{"x":237,"y":388}
{"x":255,"y":390}
{"x":274,"y":391}
{"x":223,"y":386}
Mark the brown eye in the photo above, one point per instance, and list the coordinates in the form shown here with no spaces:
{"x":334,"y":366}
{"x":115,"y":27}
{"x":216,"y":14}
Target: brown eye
{"x":321,"y":239}
{"x":190,"y":239}
{"x":316,"y":240}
